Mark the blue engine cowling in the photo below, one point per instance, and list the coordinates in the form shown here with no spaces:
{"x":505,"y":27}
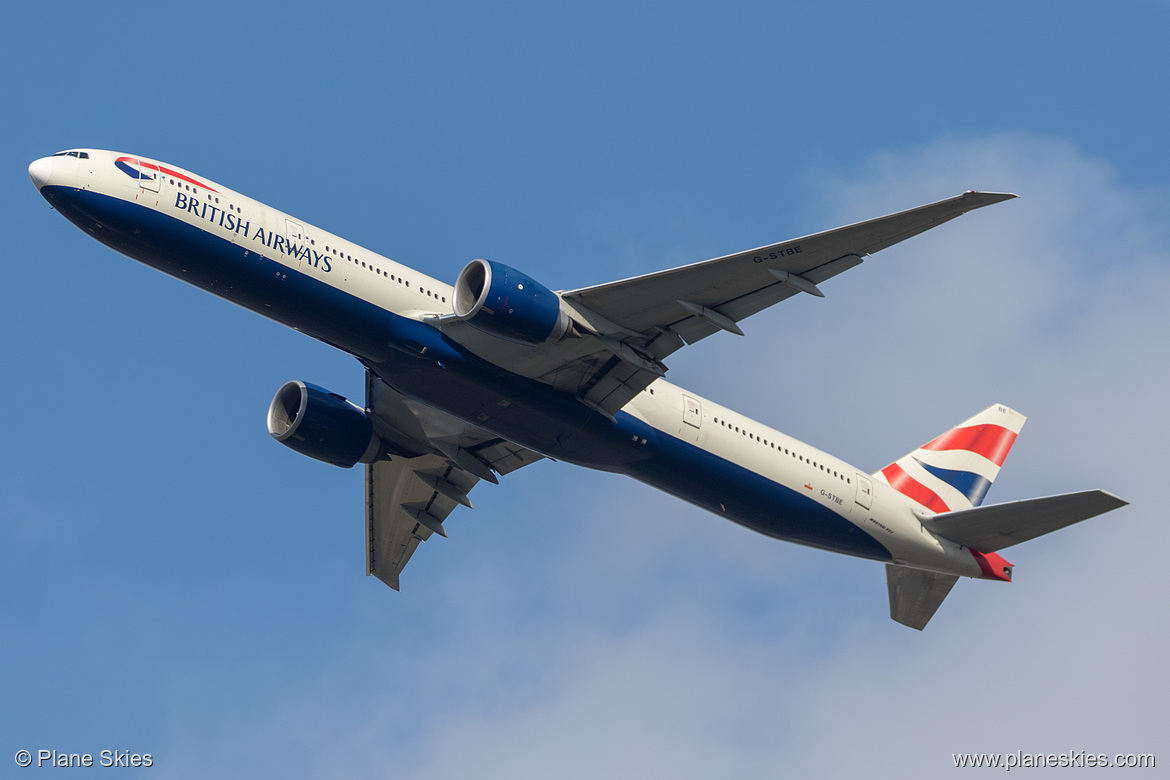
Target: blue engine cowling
{"x":507,"y":303}
{"x":322,"y":425}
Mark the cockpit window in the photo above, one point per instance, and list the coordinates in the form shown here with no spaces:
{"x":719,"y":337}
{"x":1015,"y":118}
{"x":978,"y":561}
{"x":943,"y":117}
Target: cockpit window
{"x":78,"y":155}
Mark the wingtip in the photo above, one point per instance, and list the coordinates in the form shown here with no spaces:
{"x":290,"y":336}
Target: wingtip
{"x":1116,"y":499}
{"x":988,"y":198}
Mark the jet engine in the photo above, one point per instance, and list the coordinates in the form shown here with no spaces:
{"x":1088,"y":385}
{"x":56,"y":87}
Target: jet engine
{"x":507,"y":303}
{"x":322,"y":425}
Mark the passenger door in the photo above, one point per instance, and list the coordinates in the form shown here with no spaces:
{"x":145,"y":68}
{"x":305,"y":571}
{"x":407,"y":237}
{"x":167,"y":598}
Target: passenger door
{"x":692,"y":412}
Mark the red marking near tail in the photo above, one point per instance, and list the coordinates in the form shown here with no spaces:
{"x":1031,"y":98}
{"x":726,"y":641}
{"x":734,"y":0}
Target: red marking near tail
{"x":993,"y":566}
{"x":991,"y":441}
{"x":911,"y":488}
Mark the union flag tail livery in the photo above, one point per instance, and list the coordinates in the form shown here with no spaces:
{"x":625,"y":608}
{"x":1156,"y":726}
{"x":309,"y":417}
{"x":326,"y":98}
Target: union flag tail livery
{"x":955,"y":470}
{"x":479,"y":379}
{"x":945,"y":482}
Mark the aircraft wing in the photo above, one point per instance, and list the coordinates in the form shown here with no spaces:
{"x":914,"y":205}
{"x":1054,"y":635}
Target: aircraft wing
{"x":630,"y":326}
{"x":737,"y":286}
{"x":434,"y":462}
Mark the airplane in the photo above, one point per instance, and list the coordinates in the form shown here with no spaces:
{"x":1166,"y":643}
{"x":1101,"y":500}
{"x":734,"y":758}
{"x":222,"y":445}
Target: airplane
{"x":472,"y":381}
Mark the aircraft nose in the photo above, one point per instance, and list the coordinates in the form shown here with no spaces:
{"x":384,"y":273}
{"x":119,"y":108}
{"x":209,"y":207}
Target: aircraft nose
{"x":40,"y":170}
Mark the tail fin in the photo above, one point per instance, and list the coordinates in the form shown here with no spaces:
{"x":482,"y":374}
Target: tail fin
{"x":954,"y":471}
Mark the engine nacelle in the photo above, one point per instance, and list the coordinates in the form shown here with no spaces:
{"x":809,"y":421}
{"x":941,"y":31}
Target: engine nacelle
{"x":504,"y":302}
{"x":322,"y":425}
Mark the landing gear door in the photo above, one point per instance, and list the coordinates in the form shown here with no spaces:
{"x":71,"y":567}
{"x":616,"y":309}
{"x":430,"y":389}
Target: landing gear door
{"x":864,"y":491}
{"x":692,"y":411}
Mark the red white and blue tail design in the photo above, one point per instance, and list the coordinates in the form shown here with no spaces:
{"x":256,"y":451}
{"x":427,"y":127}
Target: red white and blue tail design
{"x":954,"y":471}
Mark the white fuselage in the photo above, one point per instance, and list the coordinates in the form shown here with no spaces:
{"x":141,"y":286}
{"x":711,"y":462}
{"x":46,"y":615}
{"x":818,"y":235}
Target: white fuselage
{"x":310,"y":279}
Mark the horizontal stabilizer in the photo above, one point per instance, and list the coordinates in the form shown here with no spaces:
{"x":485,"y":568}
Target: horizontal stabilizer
{"x":915,"y":595}
{"x":989,"y":528}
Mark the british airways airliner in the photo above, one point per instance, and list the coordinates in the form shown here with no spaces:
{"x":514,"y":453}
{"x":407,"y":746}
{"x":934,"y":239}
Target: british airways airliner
{"x":475,"y":380}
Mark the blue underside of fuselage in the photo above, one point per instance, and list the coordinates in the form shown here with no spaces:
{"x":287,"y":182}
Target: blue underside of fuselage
{"x":419,"y":361}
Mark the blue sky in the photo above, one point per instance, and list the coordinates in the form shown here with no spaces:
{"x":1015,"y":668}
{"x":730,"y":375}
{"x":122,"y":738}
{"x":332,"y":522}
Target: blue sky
{"x":175,"y":583}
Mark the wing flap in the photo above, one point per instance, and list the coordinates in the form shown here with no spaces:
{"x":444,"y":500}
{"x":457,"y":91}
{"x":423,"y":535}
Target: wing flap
{"x":410,"y":493}
{"x":990,"y":528}
{"x":758,"y":300}
{"x":503,"y":456}
{"x":397,"y":492}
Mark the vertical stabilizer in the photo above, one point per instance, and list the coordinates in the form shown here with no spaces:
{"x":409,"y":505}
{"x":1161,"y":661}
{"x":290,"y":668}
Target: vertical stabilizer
{"x":954,"y":471}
